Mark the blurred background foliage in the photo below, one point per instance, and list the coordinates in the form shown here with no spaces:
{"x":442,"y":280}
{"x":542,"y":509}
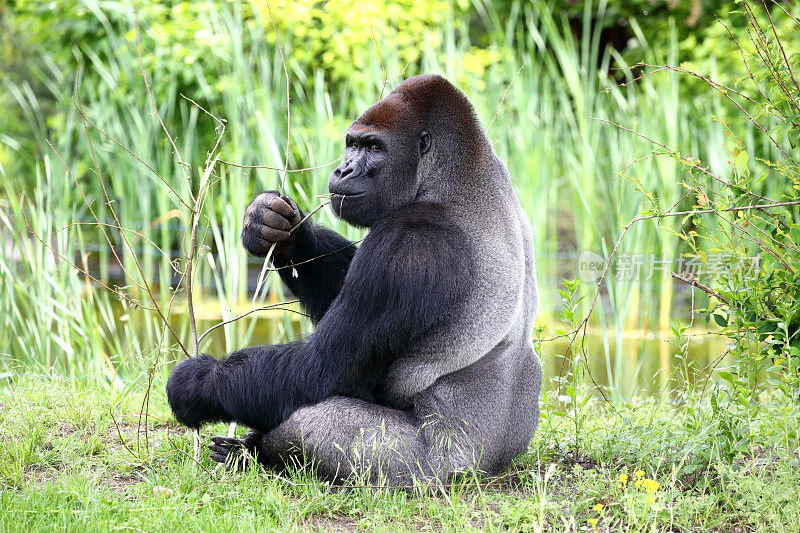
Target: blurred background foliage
{"x":48,"y":42}
{"x":536,"y":72}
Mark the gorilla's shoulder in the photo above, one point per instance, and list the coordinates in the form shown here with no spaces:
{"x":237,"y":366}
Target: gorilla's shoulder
{"x":418,"y":238}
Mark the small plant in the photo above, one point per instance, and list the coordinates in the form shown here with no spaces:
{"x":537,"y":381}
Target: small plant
{"x":571,"y":397}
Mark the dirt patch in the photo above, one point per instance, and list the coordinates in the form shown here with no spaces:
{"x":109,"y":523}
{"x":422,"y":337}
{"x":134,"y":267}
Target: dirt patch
{"x":120,"y":483}
{"x":41,"y":475}
{"x":131,"y":434}
{"x":335,"y":524}
{"x":123,"y":438}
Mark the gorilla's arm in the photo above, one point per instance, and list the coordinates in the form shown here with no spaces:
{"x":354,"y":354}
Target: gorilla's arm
{"x":320,"y":259}
{"x":312,"y":260}
{"x":411,"y":270}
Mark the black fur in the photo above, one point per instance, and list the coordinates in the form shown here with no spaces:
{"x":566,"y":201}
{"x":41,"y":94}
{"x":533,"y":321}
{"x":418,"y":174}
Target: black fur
{"x":321,"y":258}
{"x":410,"y":271}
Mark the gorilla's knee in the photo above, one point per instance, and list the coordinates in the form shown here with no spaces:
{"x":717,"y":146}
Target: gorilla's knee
{"x":192,"y":391}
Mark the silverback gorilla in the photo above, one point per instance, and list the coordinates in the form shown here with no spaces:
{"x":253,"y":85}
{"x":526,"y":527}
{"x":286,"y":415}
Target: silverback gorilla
{"x":421,"y":365}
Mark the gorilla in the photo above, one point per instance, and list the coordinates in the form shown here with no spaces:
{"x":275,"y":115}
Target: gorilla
{"x":421,"y":366}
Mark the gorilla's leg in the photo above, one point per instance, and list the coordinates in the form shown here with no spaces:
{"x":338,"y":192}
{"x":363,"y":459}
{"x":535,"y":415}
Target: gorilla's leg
{"x":477,"y":418}
{"x":342,"y":437}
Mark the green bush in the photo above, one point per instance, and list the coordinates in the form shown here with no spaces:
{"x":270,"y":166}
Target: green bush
{"x":748,"y":219}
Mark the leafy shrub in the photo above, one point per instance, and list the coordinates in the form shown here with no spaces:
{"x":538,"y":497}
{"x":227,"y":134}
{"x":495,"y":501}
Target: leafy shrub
{"x":750,"y":218}
{"x":340,"y":37}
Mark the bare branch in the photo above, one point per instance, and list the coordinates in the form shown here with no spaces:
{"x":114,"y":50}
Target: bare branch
{"x":694,"y":282}
{"x":145,"y":286}
{"x":279,"y":305}
{"x":155,"y":107}
{"x":139,"y":159}
{"x":113,"y":226}
{"x":288,"y":97}
{"x":228,"y":163}
{"x":60,"y":256}
{"x":683,"y":159}
{"x":383,"y":67}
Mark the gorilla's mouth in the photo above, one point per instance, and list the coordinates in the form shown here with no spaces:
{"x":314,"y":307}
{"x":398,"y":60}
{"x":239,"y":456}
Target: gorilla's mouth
{"x":345,"y":204}
{"x":346,"y":195}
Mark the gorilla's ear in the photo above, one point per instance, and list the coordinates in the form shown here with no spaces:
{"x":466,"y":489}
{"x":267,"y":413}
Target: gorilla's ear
{"x":424,"y":143}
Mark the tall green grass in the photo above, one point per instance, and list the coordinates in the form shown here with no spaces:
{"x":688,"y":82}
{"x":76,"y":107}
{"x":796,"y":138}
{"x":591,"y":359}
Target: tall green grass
{"x":564,"y":167}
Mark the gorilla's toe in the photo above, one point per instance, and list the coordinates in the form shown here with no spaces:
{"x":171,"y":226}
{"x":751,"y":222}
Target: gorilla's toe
{"x":228,"y":451}
{"x":224,"y":444}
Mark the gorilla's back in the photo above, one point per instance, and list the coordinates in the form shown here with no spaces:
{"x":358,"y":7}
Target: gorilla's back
{"x":481,"y":358}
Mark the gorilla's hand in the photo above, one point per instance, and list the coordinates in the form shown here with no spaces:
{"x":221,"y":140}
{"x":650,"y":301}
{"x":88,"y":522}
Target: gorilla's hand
{"x":191,"y":391}
{"x":269,"y":220}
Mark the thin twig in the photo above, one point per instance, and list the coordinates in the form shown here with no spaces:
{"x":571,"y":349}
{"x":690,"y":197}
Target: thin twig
{"x":780,"y":47}
{"x":503,"y":99}
{"x":729,"y":209}
{"x":320,"y":206}
{"x":219,"y":121}
{"x":383,"y":67}
{"x":694,"y":282}
{"x":288,"y":97}
{"x":683,"y":159}
{"x":786,"y":12}
{"x":191,"y":255}
{"x":60,"y":256}
{"x":114,"y":226}
{"x":139,"y":159}
{"x":761,"y":45}
{"x":275,"y":269}
{"x":113,"y":212}
{"x":278,"y":305}
{"x":228,"y":163}
{"x":155,"y":107}
{"x":119,"y":433}
{"x":722,"y":89}
{"x":746,"y":63}
{"x":88,"y":204}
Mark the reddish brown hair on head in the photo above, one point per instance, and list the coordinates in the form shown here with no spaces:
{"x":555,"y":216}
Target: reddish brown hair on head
{"x":428,"y":102}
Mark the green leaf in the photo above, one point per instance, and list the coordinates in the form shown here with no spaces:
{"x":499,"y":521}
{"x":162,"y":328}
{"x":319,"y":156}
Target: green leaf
{"x":794,"y":137}
{"x":741,"y":162}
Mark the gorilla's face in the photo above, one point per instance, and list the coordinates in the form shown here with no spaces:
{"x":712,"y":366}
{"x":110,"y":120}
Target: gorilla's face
{"x":378,"y":174}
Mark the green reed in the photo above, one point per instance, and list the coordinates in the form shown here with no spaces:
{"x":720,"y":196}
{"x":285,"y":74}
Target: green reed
{"x":564,"y":165}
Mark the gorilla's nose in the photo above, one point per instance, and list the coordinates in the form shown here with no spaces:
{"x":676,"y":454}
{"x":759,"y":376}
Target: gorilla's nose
{"x":340,"y":177}
{"x":348,"y":171}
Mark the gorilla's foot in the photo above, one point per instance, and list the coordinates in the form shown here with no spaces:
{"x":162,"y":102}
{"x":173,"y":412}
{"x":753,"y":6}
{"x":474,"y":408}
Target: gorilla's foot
{"x":230,"y":452}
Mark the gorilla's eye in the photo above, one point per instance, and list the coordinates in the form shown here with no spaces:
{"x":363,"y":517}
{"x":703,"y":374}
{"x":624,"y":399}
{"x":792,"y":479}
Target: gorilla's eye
{"x":353,"y":144}
{"x":374,"y":147}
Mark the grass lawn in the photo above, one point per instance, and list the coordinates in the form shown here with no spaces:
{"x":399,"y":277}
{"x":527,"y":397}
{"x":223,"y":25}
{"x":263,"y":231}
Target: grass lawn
{"x":69,"y":459}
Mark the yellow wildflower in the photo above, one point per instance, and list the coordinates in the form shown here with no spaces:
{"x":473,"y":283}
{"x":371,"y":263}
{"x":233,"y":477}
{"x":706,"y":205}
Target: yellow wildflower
{"x":593,"y":521}
{"x":639,"y":473}
{"x":651,"y":485}
{"x":623,"y":479}
{"x":638,"y":483}
{"x":597,"y":508}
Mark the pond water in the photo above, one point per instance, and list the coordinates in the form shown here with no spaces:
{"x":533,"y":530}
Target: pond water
{"x":635,"y":362}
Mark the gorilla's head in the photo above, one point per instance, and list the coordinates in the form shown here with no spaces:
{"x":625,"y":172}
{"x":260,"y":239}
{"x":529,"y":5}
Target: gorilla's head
{"x":412,"y":141}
